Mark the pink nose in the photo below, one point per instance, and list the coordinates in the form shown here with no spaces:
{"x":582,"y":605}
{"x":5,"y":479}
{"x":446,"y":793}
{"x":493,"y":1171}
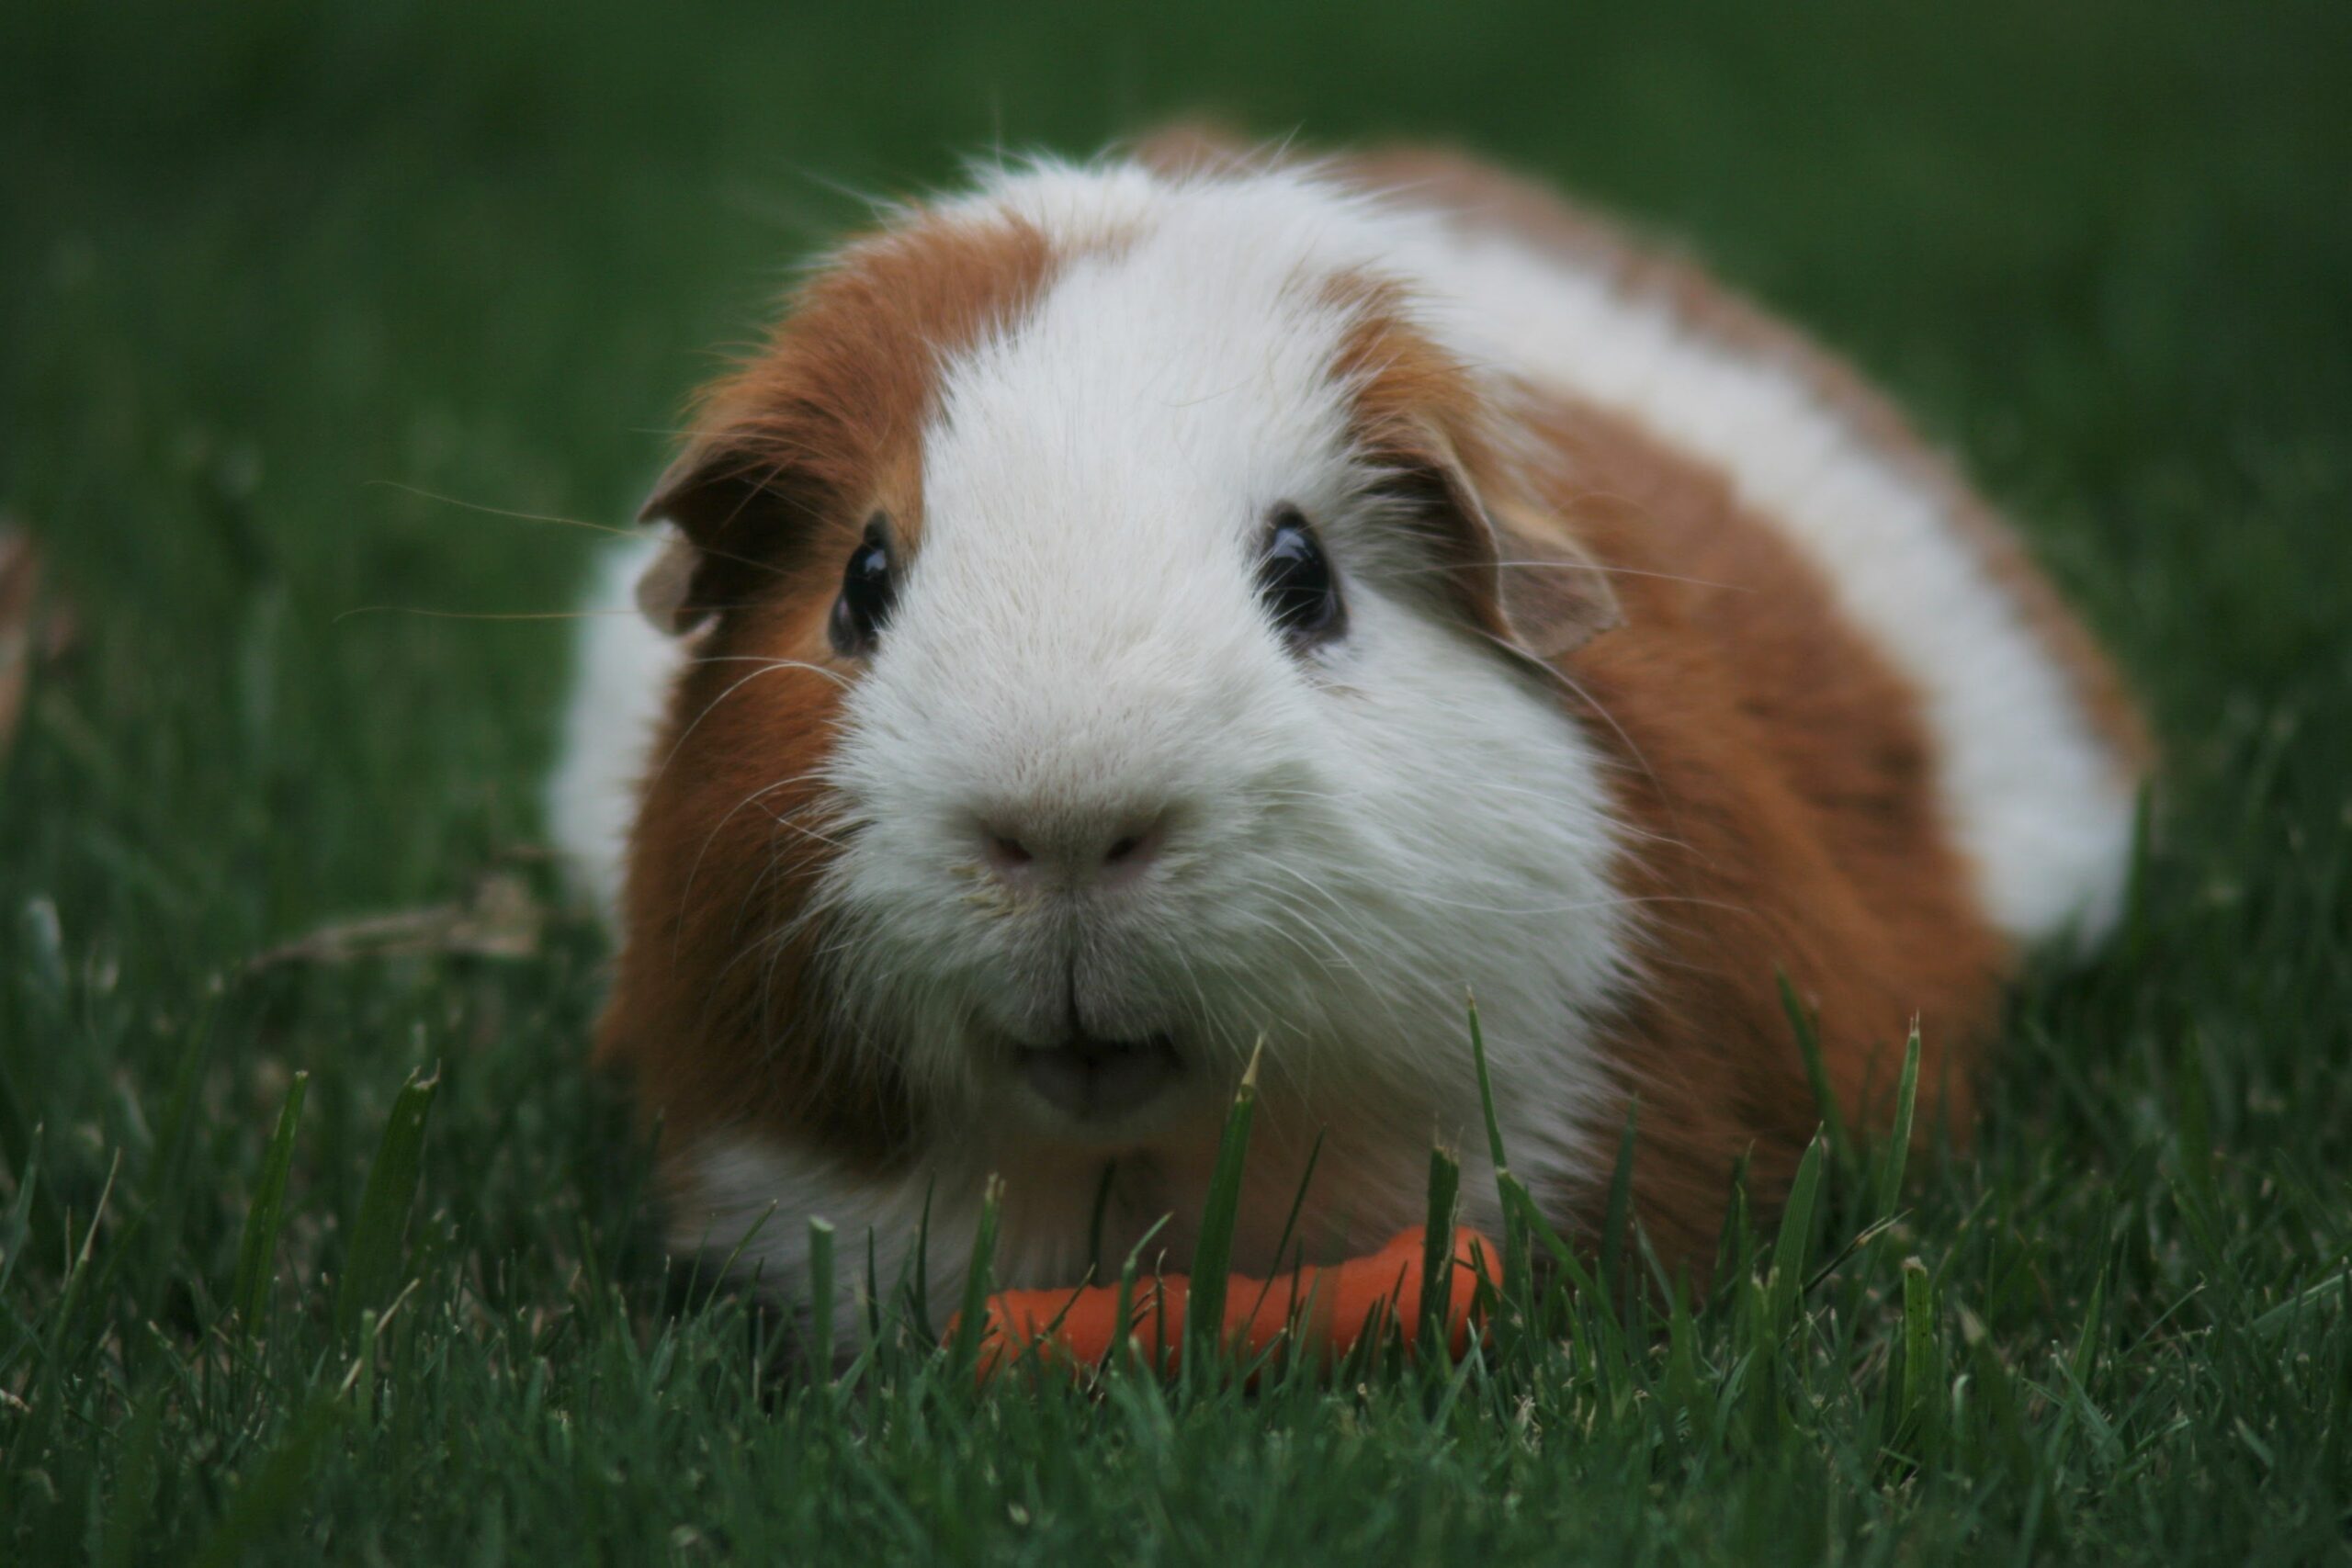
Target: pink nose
{"x":1070,"y":853}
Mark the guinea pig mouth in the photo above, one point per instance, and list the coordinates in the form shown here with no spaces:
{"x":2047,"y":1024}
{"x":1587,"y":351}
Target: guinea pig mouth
{"x":1094,"y":1079}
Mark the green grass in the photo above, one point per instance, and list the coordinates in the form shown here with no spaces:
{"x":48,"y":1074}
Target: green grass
{"x":344,"y":1258}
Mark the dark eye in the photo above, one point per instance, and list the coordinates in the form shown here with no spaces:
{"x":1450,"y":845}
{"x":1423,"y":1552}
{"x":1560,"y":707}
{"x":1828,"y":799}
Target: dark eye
{"x":869,"y":587}
{"x":1295,"y":580}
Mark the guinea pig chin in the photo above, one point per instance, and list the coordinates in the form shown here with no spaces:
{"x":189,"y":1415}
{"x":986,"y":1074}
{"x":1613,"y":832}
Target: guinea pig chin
{"x":1029,"y":995}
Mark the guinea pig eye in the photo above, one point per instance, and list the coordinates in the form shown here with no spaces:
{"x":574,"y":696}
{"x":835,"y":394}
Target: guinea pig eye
{"x":869,"y":587}
{"x":1295,"y":582}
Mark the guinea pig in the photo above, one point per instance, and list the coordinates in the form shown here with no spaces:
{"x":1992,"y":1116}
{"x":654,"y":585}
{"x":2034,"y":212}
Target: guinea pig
{"x":1135,"y":613}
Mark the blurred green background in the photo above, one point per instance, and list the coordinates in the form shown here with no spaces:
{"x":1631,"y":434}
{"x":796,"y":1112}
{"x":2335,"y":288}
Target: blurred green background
{"x":261,"y":262}
{"x":276,"y":277}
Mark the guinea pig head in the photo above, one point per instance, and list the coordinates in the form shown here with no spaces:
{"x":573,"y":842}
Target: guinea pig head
{"x":1108,"y":653}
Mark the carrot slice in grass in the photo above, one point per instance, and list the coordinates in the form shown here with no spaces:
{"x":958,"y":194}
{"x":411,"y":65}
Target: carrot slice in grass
{"x":1328,"y":1310}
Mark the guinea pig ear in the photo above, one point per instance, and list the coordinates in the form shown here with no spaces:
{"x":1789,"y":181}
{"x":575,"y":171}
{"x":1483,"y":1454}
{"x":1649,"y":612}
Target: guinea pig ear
{"x":721,"y":511}
{"x":1519,"y":570}
{"x":665,"y":590}
{"x":700,"y":482}
{"x":665,"y":593}
{"x":1554,"y":596}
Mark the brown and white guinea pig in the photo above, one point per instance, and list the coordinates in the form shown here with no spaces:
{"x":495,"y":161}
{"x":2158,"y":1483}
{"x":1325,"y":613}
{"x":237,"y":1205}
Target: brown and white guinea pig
{"x":1139,"y":609}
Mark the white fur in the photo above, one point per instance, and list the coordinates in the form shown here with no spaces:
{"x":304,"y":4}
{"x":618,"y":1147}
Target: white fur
{"x":623,"y":670}
{"x":1355,"y":837}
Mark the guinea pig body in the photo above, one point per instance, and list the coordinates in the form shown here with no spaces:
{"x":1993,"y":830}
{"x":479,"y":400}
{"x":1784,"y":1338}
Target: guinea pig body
{"x":1140,"y":611}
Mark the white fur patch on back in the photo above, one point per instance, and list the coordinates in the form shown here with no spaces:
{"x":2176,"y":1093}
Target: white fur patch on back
{"x":2037,"y":801}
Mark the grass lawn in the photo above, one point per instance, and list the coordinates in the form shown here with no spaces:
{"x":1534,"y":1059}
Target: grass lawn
{"x":274,"y":278}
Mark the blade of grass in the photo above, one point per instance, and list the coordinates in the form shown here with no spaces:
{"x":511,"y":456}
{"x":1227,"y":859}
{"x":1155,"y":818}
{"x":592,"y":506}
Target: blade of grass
{"x":821,"y":1299}
{"x":1816,"y":1072}
{"x":1299,"y":1199}
{"x":1918,"y":1328}
{"x":1437,"y":1243}
{"x":1124,"y":1304}
{"x":2086,"y":1343}
{"x":1486,"y":1089}
{"x":1515,"y":1292}
{"x":2196,"y":1190}
{"x":167,"y":1184}
{"x":1789,"y":1246}
{"x":715,"y":1282}
{"x":874,"y":1287}
{"x":972,"y":1321}
{"x":1897,"y":1157}
{"x":77,"y":1274}
{"x":1213,"y":1254}
{"x":374,"y":1258}
{"x":2310,"y":1301}
{"x":1276,"y":1276}
{"x":1682,"y":1357}
{"x":20,"y":1145}
{"x":258,"y":1250}
{"x":20,"y":1228}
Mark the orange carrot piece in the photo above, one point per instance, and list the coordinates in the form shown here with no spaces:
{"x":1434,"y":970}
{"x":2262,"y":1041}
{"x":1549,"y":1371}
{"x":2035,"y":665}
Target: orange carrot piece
{"x":1328,"y":1309}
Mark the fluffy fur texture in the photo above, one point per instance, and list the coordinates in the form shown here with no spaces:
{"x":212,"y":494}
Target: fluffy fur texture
{"x":1672,"y":660}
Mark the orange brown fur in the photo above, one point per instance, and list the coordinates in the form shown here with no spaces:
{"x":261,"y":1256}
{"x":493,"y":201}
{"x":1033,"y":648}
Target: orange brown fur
{"x":1776,"y":776}
{"x":1774,"y":771}
{"x":715,"y":1014}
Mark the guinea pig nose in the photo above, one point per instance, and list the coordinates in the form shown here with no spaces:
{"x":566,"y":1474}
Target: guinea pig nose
{"x":1106,"y":853}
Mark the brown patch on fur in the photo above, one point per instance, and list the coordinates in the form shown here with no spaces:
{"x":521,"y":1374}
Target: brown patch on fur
{"x":1777,"y":772}
{"x":715,"y":1007}
{"x":1523,"y":580}
{"x":1479,"y":197}
{"x":1779,"y":775}
{"x":825,"y":422}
